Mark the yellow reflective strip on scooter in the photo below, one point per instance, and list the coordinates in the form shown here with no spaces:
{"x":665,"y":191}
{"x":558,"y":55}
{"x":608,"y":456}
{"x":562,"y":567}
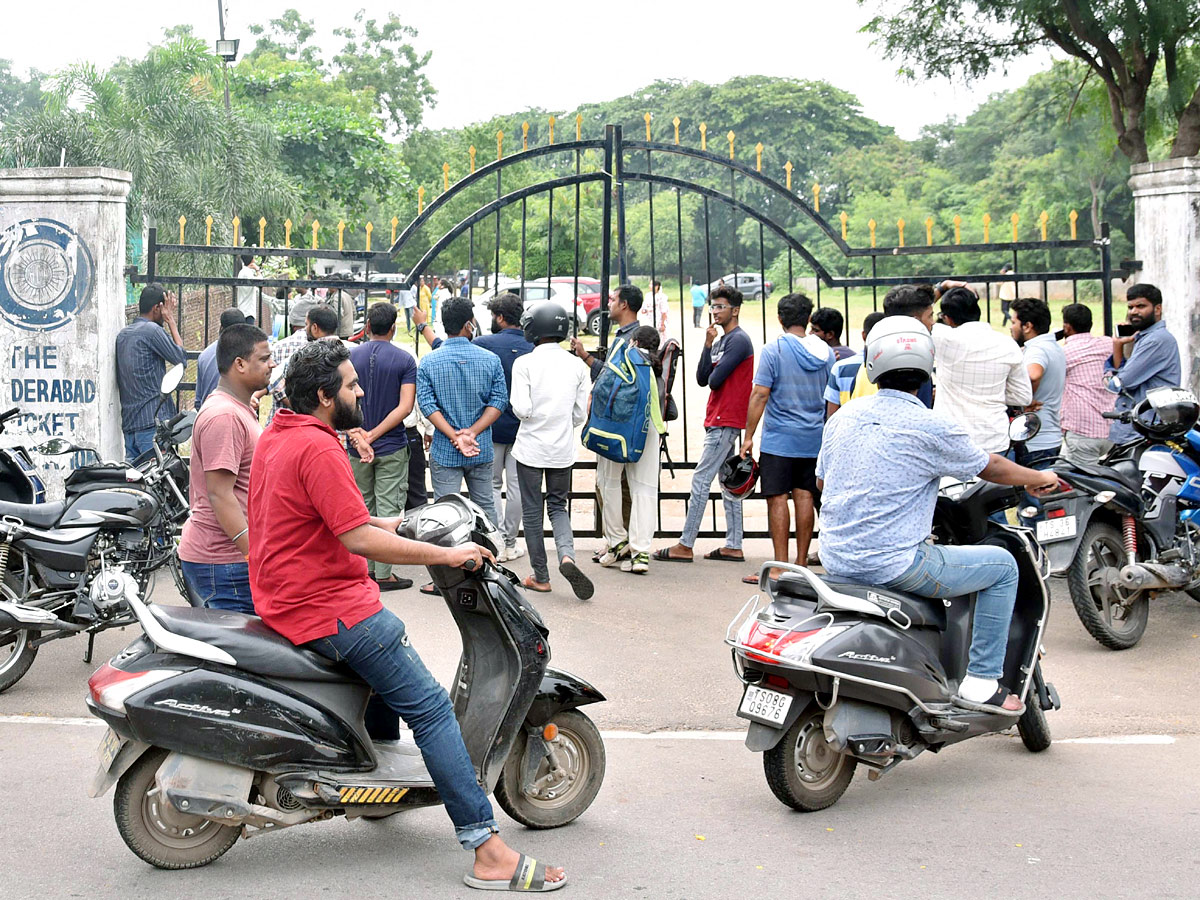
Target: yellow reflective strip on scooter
{"x":376,"y":795}
{"x":397,"y":793}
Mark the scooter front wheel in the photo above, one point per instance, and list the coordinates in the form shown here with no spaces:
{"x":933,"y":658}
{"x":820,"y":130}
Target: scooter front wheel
{"x":803,"y":770}
{"x":157,"y":832}
{"x":554,"y":797}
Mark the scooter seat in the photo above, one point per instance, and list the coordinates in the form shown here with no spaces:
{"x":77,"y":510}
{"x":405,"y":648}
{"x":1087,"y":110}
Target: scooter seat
{"x":919,"y":612}
{"x":256,"y":647}
{"x":38,"y":515}
{"x":1124,"y":471}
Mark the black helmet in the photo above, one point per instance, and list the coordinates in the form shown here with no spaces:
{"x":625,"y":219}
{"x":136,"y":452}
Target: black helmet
{"x":546,"y":320}
{"x":1166,"y":413}
{"x":738,"y":475}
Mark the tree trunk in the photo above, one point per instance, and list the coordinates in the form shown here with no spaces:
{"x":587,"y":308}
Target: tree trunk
{"x":1095,"y":185}
{"x":1187,"y":138}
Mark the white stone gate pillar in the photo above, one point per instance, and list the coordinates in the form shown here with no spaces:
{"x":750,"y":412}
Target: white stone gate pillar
{"x":1166,"y":211}
{"x":62,"y":302}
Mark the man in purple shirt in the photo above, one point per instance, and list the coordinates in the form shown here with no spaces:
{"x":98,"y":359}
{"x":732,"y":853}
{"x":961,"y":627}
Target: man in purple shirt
{"x":388,"y":378}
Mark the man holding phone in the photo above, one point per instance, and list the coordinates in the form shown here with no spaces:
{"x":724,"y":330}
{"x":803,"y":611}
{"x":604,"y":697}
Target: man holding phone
{"x":1144,"y":359}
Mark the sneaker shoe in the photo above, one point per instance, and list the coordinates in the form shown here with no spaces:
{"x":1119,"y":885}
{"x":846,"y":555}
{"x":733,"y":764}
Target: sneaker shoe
{"x":513,"y":552}
{"x":638,"y":564}
{"x":613,"y":555}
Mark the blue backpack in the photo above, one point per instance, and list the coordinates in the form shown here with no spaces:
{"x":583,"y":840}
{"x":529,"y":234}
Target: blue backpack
{"x":624,"y":401}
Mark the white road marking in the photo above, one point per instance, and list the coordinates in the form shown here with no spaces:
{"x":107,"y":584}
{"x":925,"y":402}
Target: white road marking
{"x":1116,"y":739}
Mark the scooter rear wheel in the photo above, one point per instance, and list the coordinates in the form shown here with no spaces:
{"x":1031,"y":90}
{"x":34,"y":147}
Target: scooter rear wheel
{"x":803,"y":771}
{"x":580,"y":752}
{"x":156,"y":831}
{"x":17,"y":651}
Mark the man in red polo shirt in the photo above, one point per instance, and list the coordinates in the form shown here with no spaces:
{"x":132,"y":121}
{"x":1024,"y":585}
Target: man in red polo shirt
{"x":309,"y":534}
{"x":726,"y":368}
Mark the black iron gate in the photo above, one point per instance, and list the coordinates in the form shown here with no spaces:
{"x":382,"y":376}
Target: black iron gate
{"x":617,"y":165}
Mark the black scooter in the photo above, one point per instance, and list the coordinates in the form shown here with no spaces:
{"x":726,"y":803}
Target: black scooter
{"x":838,"y":673}
{"x":219,"y":727}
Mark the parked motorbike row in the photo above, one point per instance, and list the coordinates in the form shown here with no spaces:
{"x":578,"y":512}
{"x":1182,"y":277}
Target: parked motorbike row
{"x":219,"y":728}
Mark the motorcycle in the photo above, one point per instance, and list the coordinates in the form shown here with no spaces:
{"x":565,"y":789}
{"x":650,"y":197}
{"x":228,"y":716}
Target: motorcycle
{"x":219,"y":727}
{"x":1125,"y":529}
{"x":52,"y":553}
{"x":838,"y":673}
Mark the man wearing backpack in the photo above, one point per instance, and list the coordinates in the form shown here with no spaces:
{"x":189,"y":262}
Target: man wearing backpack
{"x":727,"y":369}
{"x":628,"y":546}
{"x":788,"y":398}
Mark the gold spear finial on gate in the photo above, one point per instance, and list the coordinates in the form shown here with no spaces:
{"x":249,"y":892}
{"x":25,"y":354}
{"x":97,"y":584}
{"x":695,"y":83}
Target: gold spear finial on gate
{"x":958,"y":229}
{"x":871,"y":228}
{"x":703,"y":136}
{"x":758,"y":149}
{"x":471,"y":153}
{"x":900,"y":230}
{"x":182,"y":222}
{"x":730,"y":137}
{"x":262,"y":231}
{"x":499,"y":145}
{"x":816,"y":198}
{"x":1014,"y":218}
{"x":552,"y":130}
{"x":845,"y":218}
{"x":646,"y":119}
{"x":287,"y":233}
{"x":316,"y":226}
{"x":1043,"y":220}
{"x":1074,"y":216}
{"x":208,"y":223}
{"x":675,"y":122}
{"x":579,"y":126}
{"x":787,"y":167}
{"x":237,"y":225}
{"x":524,"y":135}
{"x":445,"y":177}
{"x":370,"y":228}
{"x":929,"y":231}
{"x":420,"y":200}
{"x":395,"y":224}
{"x":341,"y":235}
{"x":987,"y":227}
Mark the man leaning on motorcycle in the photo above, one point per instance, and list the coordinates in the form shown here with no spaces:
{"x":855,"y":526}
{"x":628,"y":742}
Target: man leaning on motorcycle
{"x":310,"y":539}
{"x":881,"y":460}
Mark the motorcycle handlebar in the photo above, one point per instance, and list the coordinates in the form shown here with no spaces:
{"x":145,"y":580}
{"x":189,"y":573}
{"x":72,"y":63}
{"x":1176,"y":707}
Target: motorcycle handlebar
{"x":1112,"y":414}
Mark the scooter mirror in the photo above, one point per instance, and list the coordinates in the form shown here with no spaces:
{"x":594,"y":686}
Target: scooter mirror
{"x":55,"y":447}
{"x":1112,"y":384}
{"x":171,"y":379}
{"x":1023,"y":427}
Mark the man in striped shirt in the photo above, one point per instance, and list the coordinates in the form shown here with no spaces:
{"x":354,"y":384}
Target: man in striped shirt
{"x":144,"y":351}
{"x":1085,"y":432}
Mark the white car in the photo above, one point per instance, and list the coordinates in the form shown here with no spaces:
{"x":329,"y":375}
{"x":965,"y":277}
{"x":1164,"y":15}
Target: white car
{"x":560,"y":290}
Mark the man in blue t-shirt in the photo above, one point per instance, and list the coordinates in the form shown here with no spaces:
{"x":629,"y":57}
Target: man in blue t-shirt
{"x":507,"y":341}
{"x":388,"y":378}
{"x":699,"y":299}
{"x":788,"y":398}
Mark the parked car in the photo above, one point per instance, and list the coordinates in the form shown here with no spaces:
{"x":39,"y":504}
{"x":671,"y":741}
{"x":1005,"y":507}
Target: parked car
{"x":383,"y":280}
{"x":560,"y":290}
{"x":752,"y":285}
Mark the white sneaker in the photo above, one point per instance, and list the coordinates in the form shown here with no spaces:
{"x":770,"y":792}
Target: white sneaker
{"x":514,"y":552}
{"x":613,"y":555}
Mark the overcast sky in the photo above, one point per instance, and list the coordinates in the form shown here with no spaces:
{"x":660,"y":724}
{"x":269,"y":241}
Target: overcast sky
{"x":491,"y":57}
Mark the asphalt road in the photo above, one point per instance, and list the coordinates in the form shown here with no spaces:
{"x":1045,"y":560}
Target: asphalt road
{"x":1113,"y":811}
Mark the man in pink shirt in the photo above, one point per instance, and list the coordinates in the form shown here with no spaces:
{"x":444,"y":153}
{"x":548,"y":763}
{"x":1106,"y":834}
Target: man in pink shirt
{"x":215,"y":545}
{"x":1085,"y":433}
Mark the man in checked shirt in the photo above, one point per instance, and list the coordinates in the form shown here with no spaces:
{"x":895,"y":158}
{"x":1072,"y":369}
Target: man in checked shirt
{"x":980,"y":371}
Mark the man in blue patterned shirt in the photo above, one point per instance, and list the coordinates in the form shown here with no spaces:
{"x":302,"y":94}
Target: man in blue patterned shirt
{"x":143,"y":353}
{"x":461,"y":391}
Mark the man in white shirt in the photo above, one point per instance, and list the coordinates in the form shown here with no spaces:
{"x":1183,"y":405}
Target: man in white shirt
{"x":247,"y":296}
{"x":656,"y":310}
{"x":550,"y":390}
{"x":980,"y":372}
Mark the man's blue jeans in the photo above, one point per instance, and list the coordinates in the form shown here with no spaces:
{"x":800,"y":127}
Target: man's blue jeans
{"x":449,"y":479}
{"x":378,"y":649}
{"x":719,"y":444}
{"x":942,"y":571}
{"x":220,"y":585}
{"x":138,"y":442}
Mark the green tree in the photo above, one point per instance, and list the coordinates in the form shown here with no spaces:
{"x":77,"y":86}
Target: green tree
{"x":1120,"y":43}
{"x":18,"y":95}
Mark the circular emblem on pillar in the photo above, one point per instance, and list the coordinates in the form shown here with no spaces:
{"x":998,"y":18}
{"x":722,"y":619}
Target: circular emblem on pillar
{"x":46,"y":274}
